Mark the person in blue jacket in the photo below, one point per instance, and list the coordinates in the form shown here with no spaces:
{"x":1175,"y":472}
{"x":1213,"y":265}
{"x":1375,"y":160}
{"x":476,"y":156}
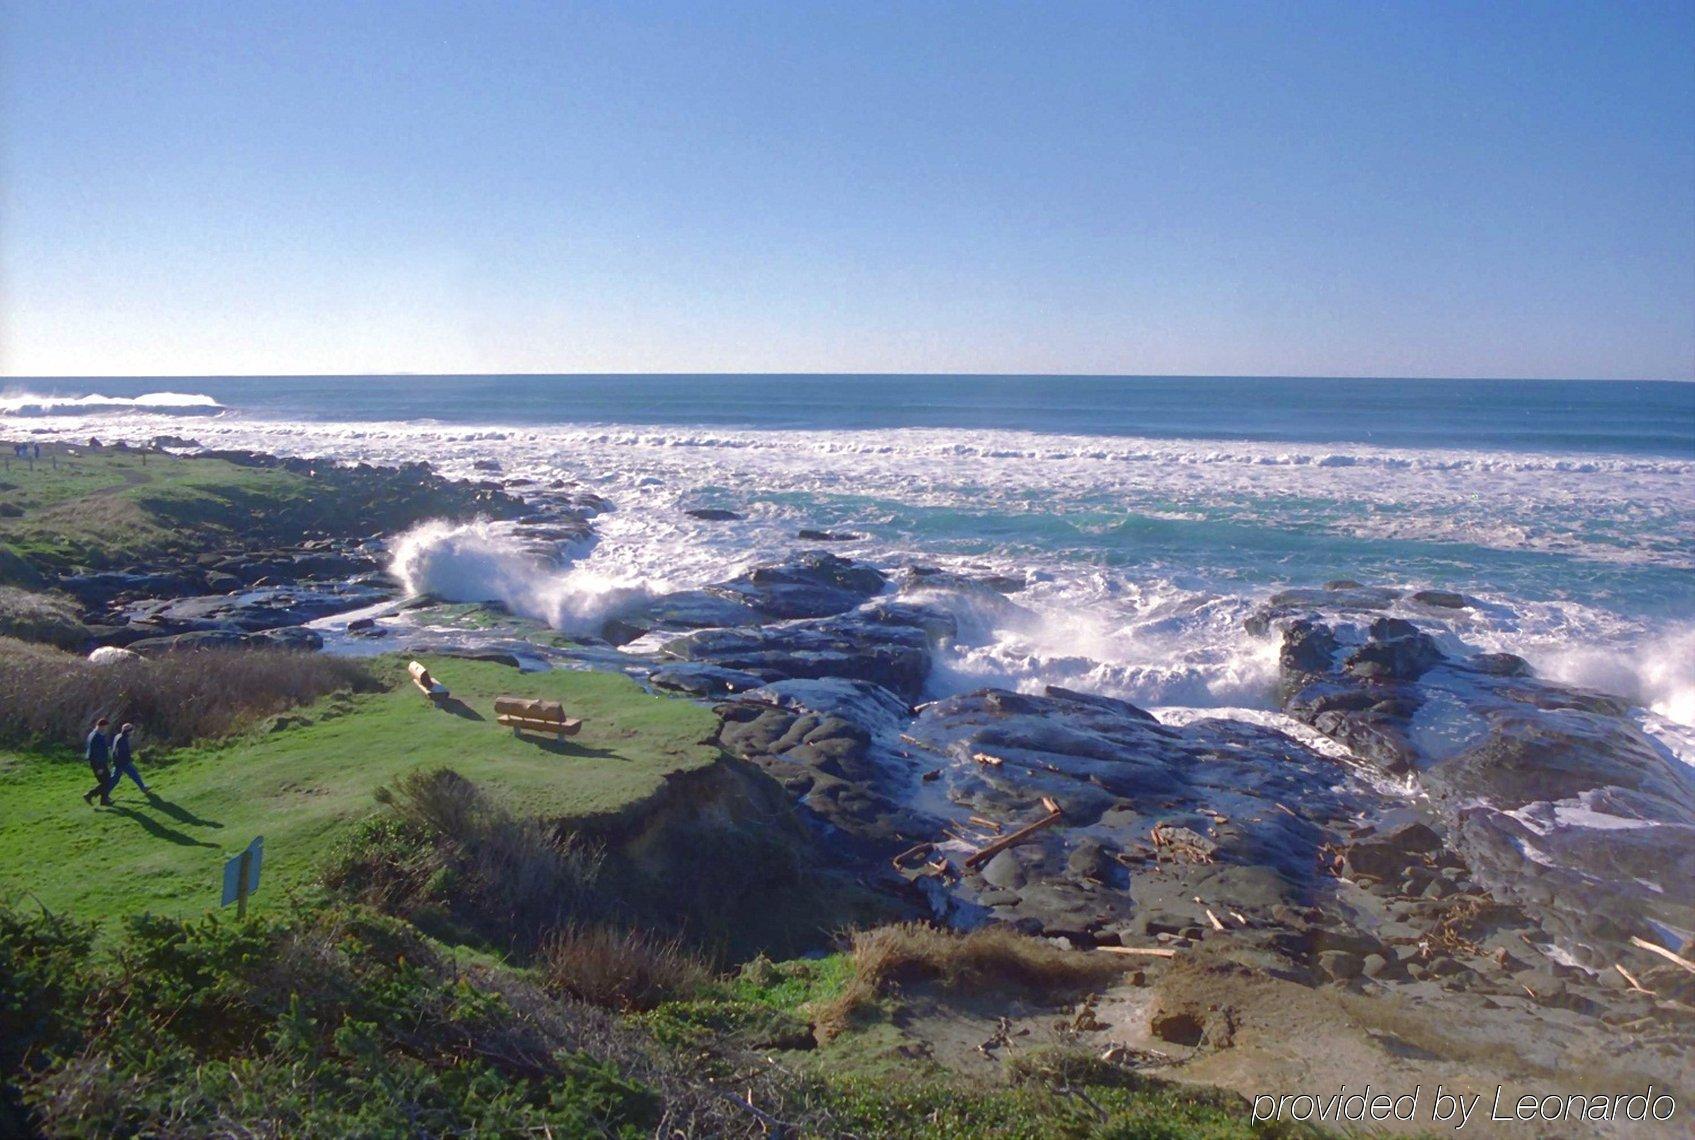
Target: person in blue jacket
{"x":123,"y":760}
{"x":97,"y":750}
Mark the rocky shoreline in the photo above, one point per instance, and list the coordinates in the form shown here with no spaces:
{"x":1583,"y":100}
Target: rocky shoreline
{"x":1456,"y":833}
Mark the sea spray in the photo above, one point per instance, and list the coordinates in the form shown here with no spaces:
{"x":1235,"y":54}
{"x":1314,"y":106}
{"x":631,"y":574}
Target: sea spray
{"x":485,"y":562}
{"x":1657,"y":673}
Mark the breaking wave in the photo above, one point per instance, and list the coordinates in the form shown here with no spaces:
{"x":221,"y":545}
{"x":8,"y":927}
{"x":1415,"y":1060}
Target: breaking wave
{"x":94,"y":404}
{"x":1658,"y":674}
{"x":481,"y":562}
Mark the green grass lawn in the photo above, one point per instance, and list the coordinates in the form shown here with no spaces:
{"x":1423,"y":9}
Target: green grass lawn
{"x":77,"y":506}
{"x":304,"y":785}
{"x":92,"y":506}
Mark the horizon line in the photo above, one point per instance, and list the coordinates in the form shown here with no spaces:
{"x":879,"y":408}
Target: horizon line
{"x":7,"y":378}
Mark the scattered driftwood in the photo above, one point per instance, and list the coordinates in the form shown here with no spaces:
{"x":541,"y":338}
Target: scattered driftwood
{"x":917,"y":743}
{"x":986,"y":760}
{"x":1182,"y":843}
{"x":1213,"y":918}
{"x":1631,"y":978}
{"x":988,"y":824}
{"x":521,"y":714}
{"x":1143,"y":951}
{"x":427,"y":684}
{"x":904,"y":860}
{"x":1653,"y":948}
{"x":977,"y":859}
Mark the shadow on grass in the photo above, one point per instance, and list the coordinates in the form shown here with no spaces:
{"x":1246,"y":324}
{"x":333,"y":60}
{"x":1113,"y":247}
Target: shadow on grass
{"x":560,"y":746}
{"x":158,"y":830}
{"x":178,"y":812}
{"x":458,"y":708}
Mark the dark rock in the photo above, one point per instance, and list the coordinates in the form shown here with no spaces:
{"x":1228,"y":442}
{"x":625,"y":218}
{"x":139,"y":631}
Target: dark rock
{"x":1386,"y":856}
{"x":1441,"y":598}
{"x":813,"y":585}
{"x":827,"y":536}
{"x":1307,"y":648}
{"x":1500,"y":664}
{"x":1397,"y":651}
{"x":288,"y":637}
{"x":713,"y":514}
{"x":1341,"y":965}
{"x":181,"y":642}
{"x":1111,"y":704}
{"x":1089,"y":860}
{"x":707,"y":681}
{"x":883,"y":645}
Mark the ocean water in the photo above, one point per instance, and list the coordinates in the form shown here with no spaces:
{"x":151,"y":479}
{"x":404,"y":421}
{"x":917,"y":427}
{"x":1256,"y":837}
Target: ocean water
{"x":1148,"y":516}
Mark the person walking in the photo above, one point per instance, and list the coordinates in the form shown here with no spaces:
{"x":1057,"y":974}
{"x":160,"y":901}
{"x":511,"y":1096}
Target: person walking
{"x":97,"y":750}
{"x":123,"y":760}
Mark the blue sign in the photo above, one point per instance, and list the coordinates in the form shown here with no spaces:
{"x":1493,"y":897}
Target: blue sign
{"x":233,"y":886}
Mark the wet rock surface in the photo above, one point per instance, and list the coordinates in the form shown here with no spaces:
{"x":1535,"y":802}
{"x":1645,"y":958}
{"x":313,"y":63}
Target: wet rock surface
{"x":887,"y":645}
{"x":1551,"y":802}
{"x":1481,"y":833}
{"x":815,"y":584}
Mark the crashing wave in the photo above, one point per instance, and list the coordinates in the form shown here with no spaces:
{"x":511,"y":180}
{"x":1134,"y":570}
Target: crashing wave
{"x":483,"y":562}
{"x":97,"y":404}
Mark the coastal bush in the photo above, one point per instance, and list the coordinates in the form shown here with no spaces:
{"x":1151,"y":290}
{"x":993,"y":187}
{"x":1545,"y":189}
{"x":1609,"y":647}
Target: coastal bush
{"x":330,"y":1022}
{"x":48,"y":697}
{"x":991,"y":958}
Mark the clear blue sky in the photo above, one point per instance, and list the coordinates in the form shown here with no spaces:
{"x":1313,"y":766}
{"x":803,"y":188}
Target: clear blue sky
{"x":1210,"y":188}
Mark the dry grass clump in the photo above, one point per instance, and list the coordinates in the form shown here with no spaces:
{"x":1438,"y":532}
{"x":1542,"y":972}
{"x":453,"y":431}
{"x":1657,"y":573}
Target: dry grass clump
{"x":621,"y":969}
{"x":51,"y":697}
{"x":989,"y":959}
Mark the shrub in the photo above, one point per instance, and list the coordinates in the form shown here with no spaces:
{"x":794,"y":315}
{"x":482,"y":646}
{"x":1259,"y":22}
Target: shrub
{"x":44,"y":987}
{"x":50,"y":697}
{"x":328,"y":1022}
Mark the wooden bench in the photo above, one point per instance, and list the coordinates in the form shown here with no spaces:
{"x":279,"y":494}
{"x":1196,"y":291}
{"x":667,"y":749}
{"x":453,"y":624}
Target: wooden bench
{"x":547,"y":718}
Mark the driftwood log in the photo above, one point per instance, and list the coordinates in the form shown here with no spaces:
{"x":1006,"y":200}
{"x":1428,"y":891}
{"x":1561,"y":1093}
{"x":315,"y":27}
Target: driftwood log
{"x":426,"y":684}
{"x":977,"y":859}
{"x":1652,"y":948}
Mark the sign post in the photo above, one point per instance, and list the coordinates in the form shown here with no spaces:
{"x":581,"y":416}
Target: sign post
{"x":241,"y":876}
